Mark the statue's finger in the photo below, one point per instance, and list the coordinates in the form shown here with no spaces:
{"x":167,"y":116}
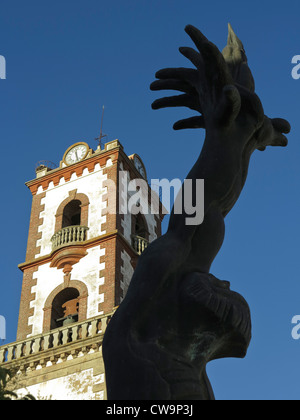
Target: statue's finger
{"x":251,"y":103}
{"x":281,"y":125}
{"x":215,"y":65}
{"x":229,"y":106}
{"x":280,"y":140}
{"x":196,"y":35}
{"x":181,"y":73}
{"x":244,"y":77}
{"x":193,"y":122}
{"x":270,"y":136}
{"x":176,"y":101}
{"x":193,"y":56}
{"x":216,"y":68}
{"x":172,"y":84}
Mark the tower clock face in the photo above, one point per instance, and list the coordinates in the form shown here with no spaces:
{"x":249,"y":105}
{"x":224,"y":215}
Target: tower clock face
{"x":76,"y":153}
{"x":139,"y":166}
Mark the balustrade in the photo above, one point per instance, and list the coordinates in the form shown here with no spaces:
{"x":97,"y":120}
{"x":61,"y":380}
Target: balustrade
{"x":68,"y":236}
{"x":55,"y":338}
{"x":139,"y":244}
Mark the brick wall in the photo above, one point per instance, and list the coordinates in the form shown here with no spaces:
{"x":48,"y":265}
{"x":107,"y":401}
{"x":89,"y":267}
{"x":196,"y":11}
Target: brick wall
{"x":35,"y":221}
{"x":26,"y":297}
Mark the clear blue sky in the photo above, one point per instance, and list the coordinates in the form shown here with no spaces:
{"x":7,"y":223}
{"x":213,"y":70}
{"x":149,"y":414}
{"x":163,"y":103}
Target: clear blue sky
{"x":65,"y":59}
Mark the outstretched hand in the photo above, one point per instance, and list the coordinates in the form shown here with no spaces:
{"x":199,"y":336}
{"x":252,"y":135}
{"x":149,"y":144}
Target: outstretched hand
{"x":221,"y":90}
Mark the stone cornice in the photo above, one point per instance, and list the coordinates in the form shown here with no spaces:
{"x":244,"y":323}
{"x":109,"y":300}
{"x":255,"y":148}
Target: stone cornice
{"x":85,"y":245}
{"x":55,"y":175}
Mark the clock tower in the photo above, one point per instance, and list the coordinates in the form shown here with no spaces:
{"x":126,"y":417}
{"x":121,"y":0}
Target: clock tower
{"x":83,"y":246}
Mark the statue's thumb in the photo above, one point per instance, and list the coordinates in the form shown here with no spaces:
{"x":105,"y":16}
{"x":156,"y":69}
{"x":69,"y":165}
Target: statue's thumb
{"x":229,"y":105}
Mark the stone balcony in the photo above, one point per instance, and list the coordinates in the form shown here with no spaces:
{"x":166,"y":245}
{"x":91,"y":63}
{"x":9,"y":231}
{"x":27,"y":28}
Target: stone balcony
{"x":55,"y":346}
{"x":139,"y":244}
{"x":71,"y":235}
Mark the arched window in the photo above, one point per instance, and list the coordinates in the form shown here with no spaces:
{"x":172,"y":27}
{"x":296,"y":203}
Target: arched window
{"x":140,"y":233}
{"x":75,"y":295}
{"x":65,"y":308}
{"x":72,"y":214}
{"x":140,"y":226}
{"x":73,"y":211}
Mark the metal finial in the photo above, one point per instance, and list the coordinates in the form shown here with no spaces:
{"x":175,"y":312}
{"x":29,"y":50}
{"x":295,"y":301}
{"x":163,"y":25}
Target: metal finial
{"x":99,"y":139}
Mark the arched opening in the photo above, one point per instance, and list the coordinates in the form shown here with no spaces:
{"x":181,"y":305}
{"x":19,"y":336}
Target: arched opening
{"x":74,"y":209}
{"x":140,"y":233}
{"x":140,"y":227}
{"x":72,"y":214}
{"x":65,"y":308}
{"x":59,"y":296}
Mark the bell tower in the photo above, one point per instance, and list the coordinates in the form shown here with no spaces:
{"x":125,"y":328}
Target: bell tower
{"x":81,"y":253}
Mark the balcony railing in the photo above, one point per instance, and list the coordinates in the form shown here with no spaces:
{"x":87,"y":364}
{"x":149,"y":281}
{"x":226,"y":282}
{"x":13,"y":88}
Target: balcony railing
{"x":69,"y":236}
{"x":139,"y":244}
{"x":75,"y":333}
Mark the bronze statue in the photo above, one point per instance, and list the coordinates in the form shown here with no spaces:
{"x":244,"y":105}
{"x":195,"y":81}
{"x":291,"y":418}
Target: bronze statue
{"x":176,"y":316}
